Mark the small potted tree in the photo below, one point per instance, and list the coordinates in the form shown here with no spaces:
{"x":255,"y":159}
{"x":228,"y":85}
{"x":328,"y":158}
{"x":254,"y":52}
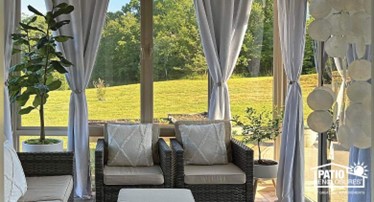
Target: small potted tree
{"x":31,"y":80}
{"x":257,"y":128}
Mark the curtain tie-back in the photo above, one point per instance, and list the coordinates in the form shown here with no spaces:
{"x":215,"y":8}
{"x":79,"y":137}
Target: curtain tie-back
{"x":292,"y":82}
{"x":219,"y":84}
{"x":78,"y":91}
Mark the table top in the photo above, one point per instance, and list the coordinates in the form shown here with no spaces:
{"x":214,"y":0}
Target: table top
{"x":155,"y":195}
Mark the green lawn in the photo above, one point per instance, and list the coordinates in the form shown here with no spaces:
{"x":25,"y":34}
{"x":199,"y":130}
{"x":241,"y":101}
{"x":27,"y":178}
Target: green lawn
{"x":178,"y":96}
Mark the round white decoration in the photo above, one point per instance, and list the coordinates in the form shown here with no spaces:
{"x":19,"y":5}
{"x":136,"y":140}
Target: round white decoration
{"x":357,"y":115}
{"x":320,"y":30}
{"x":358,"y":91}
{"x":359,"y":138}
{"x":320,"y":121}
{"x":321,"y":98}
{"x":319,"y":9}
{"x":360,"y":70}
{"x":344,"y":136}
{"x":337,"y":46}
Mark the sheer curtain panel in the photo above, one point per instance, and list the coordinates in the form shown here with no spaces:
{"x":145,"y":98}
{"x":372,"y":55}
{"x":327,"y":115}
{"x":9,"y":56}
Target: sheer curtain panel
{"x":87,"y":21}
{"x":222,"y":25}
{"x":290,"y":181}
{"x":9,"y":29}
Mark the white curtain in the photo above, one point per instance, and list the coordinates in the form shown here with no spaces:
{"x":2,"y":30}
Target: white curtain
{"x":340,"y":98}
{"x":10,"y":28}
{"x":290,"y":181}
{"x":87,"y":21}
{"x":222,"y":25}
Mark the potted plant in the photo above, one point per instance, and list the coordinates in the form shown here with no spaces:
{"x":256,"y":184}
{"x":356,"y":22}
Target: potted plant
{"x":259,"y":127}
{"x":31,"y":80}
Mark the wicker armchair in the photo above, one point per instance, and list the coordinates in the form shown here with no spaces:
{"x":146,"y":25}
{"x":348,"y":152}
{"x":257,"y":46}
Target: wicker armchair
{"x":110,"y":193}
{"x":48,"y":164}
{"x":239,"y":154}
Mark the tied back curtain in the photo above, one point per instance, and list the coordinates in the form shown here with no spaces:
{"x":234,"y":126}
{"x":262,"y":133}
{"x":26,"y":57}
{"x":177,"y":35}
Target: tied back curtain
{"x":9,"y":29}
{"x":87,"y":21}
{"x":222,"y":25}
{"x":290,"y":180}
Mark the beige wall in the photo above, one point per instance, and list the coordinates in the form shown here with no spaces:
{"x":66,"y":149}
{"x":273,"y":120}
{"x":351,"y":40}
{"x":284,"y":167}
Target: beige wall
{"x":1,"y":100}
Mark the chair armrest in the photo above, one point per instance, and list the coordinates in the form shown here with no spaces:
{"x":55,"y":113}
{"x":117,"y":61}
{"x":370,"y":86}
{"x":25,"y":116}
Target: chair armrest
{"x":165,"y":162}
{"x":178,"y":163}
{"x":99,"y":169}
{"x":243,"y":158}
{"x":47,"y":164}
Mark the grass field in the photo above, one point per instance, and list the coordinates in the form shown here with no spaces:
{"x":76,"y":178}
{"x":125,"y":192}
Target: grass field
{"x":178,"y":96}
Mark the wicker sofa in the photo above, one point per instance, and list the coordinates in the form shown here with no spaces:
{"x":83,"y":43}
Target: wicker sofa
{"x":238,"y":154}
{"x":109,"y":192}
{"x":49,"y":176}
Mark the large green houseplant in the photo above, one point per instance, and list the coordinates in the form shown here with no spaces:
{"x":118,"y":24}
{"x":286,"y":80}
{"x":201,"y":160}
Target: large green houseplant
{"x":258,"y":127}
{"x":31,"y":80}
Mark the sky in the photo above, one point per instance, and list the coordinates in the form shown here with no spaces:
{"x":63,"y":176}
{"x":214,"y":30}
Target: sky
{"x":114,"y":5}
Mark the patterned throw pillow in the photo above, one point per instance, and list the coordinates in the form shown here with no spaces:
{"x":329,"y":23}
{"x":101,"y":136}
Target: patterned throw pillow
{"x":14,"y":177}
{"x":204,"y":144}
{"x":129,"y":145}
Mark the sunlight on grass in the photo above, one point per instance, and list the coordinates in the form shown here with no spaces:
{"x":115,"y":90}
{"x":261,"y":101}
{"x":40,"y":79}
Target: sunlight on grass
{"x":170,"y":97}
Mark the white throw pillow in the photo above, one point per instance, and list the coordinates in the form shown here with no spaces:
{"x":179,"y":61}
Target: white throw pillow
{"x":14,"y":177}
{"x":129,"y":145}
{"x":204,"y":144}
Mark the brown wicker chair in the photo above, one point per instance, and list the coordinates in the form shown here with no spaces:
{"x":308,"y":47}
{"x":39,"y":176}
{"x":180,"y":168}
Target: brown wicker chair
{"x":239,"y":154}
{"x":110,"y":193}
{"x":48,"y":164}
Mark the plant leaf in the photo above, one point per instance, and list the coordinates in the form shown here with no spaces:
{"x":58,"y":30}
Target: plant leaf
{"x":65,"y":62}
{"x":29,"y":27}
{"x":63,"y":10}
{"x":54,"y":85}
{"x":26,"y":110}
{"x":58,"y":67}
{"x":62,"y":38}
{"x":57,"y":25}
{"x":23,"y":98}
{"x":32,"y":9}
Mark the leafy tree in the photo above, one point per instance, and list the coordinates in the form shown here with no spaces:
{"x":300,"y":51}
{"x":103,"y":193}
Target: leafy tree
{"x":33,"y":77}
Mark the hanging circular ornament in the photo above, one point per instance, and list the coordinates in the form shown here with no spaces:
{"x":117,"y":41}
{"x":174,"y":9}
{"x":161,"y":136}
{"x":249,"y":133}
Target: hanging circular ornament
{"x":358,"y":91}
{"x":338,"y":5}
{"x":353,"y":5}
{"x":344,"y":136}
{"x":319,"y":9}
{"x":340,"y":24}
{"x":356,"y":115}
{"x":321,"y":98}
{"x":367,"y":6}
{"x":360,"y":70}
{"x":337,"y":46}
{"x":320,"y":30}
{"x":320,"y":121}
{"x":360,"y":24}
{"x":359,"y":138}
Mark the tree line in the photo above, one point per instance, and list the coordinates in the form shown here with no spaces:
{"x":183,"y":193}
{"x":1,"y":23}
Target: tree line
{"x":177,"y":49}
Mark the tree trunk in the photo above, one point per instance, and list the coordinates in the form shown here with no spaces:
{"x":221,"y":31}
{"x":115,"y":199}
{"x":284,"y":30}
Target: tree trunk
{"x":254,"y":67}
{"x":259,"y":151}
{"x":41,"y":115}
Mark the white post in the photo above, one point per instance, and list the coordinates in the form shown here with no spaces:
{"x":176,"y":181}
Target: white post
{"x":2,"y":137}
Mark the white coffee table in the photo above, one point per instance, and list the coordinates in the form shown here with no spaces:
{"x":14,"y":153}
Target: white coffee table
{"x":155,"y":195}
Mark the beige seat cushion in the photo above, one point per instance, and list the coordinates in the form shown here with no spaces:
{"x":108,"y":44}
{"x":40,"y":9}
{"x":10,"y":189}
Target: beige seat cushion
{"x":155,"y":195}
{"x":215,"y":174}
{"x":133,"y":175}
{"x":50,"y":188}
